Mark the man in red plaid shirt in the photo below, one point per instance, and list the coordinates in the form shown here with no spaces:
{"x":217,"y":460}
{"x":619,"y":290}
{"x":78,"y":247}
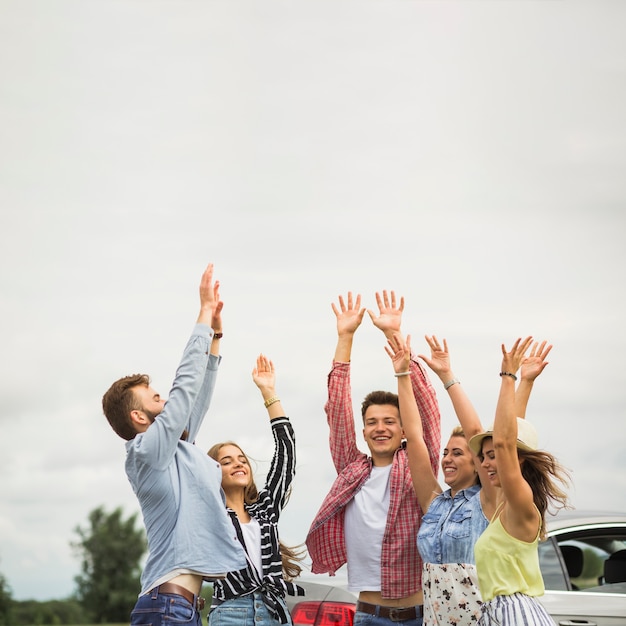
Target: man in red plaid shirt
{"x":370,"y":517}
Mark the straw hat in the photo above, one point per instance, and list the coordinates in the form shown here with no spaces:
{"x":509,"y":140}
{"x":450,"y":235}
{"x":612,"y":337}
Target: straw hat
{"x":526,"y":437}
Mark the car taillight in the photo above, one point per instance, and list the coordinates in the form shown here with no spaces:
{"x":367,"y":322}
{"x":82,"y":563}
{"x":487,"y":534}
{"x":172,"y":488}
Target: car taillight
{"x":323,"y":614}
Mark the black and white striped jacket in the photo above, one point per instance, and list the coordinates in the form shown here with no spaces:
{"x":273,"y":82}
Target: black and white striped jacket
{"x":266,"y":510}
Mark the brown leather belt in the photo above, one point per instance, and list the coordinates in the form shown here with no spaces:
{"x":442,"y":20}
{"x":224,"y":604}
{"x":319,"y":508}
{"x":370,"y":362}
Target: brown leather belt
{"x":177,"y":590}
{"x":390,"y":612}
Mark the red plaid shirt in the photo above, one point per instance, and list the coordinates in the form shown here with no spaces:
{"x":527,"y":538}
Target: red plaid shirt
{"x":400,"y":563}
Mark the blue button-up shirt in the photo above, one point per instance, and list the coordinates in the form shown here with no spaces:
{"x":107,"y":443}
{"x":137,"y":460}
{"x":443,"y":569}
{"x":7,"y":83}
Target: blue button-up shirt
{"x":177,"y":484}
{"x":451,"y":527}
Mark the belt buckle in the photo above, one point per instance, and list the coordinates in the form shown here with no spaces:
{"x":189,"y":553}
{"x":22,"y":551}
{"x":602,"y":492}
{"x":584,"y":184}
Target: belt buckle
{"x":395,"y":615}
{"x":399,"y":615}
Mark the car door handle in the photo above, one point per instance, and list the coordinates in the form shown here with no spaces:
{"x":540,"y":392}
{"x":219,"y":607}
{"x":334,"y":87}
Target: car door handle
{"x":578,"y":622}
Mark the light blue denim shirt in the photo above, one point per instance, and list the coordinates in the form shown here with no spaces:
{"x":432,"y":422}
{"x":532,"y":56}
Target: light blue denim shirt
{"x":451,"y":527}
{"x":178,"y":486}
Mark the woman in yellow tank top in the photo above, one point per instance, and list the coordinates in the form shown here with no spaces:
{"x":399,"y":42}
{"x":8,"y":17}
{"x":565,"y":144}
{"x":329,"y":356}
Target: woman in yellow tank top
{"x":507,"y":560}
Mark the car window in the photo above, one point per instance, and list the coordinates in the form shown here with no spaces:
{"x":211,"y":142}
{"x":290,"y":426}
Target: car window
{"x":552,"y":567}
{"x":585,"y":561}
{"x":591,"y":569}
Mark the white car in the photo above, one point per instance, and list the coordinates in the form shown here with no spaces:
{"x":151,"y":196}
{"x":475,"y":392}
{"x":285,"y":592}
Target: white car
{"x":583,"y":563}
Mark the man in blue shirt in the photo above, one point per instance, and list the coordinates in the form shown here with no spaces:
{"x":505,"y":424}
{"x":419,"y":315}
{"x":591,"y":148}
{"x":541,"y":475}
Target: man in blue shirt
{"x":190,"y":537}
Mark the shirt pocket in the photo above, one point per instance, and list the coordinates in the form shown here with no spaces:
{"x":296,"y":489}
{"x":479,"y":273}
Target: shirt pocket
{"x":350,"y":474}
{"x":459,"y":525}
{"x":429,"y":524}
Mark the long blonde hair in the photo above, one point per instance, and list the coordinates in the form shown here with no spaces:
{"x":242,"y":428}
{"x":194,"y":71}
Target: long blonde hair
{"x":290,"y":556}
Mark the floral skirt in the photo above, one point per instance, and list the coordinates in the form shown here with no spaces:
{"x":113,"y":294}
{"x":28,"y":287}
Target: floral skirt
{"x":451,"y":594}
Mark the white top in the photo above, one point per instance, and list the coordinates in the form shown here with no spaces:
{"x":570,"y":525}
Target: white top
{"x":365,"y":520}
{"x":252,"y":536}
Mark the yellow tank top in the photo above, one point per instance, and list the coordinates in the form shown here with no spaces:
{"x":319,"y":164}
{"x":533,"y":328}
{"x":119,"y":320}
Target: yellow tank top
{"x":506,"y":565}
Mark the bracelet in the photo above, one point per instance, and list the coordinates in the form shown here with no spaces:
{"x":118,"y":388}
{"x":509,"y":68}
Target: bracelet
{"x":449,"y":384}
{"x":398,"y":374}
{"x":513,"y":376}
{"x":218,"y":335}
{"x":271,"y":401}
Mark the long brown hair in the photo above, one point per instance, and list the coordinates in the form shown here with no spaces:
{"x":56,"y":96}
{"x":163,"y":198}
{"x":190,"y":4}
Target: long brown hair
{"x":543,"y":473}
{"x":290,"y":556}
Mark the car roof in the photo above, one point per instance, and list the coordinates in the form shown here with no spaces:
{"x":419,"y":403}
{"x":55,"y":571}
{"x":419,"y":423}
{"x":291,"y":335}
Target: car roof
{"x":576,"y":518}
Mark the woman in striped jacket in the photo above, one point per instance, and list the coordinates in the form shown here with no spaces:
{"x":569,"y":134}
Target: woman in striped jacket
{"x":255,"y":595}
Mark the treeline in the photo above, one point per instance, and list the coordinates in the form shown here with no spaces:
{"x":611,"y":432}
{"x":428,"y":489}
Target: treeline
{"x":110,"y":549}
{"x":34,"y":613}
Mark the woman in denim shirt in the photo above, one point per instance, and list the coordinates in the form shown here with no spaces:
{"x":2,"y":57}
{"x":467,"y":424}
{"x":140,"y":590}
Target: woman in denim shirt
{"x":453,"y":520}
{"x":452,"y":523}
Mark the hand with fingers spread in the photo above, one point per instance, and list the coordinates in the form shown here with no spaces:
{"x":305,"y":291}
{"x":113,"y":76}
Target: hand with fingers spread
{"x":399,"y":352}
{"x":349,"y":314}
{"x":439,"y":360}
{"x":535,"y":362}
{"x":531,"y":367}
{"x":389,"y":313}
{"x":512,"y":359}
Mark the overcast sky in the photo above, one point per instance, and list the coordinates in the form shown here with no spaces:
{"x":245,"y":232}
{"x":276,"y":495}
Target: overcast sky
{"x":469,"y":155}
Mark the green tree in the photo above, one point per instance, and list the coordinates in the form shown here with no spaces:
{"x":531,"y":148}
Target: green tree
{"x":110,"y":549}
{"x":6,"y":602}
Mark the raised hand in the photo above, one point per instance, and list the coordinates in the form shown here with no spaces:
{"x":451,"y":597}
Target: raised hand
{"x":399,"y":352}
{"x":439,"y":360}
{"x":216,"y":317}
{"x":535,"y":362}
{"x":210,"y":304}
{"x":264,"y":375}
{"x":512,"y":359}
{"x":349,"y":314}
{"x":389,"y":315}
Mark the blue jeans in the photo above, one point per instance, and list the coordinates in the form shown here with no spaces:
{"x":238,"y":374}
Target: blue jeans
{"x":248,"y":610}
{"x":365,"y":619}
{"x":156,"y":609}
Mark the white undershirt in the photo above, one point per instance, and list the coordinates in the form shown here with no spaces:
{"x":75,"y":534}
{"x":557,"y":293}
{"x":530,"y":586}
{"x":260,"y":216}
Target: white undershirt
{"x":252,"y":536}
{"x":365,"y":521}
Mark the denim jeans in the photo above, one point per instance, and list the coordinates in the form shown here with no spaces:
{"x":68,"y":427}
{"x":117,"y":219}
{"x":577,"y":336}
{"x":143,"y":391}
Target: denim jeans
{"x":365,"y":619}
{"x":249,"y":610}
{"x":158,"y":609}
